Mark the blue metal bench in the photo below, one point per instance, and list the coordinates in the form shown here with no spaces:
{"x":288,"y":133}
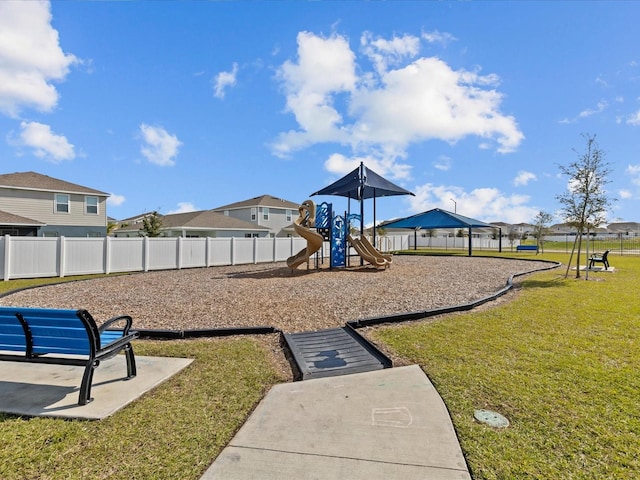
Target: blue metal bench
{"x":600,"y":258}
{"x":521,"y":248}
{"x":65,"y":337}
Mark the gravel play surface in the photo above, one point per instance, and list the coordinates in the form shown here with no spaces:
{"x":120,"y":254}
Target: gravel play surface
{"x":272,"y":295}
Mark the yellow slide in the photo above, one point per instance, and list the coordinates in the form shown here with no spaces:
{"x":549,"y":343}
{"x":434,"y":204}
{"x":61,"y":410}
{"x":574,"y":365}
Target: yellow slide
{"x":369,"y":253}
{"x":302,"y":225}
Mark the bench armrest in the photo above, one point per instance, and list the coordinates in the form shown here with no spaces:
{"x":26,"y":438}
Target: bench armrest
{"x":120,"y":318}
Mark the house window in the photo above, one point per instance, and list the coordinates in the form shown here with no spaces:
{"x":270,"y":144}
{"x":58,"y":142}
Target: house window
{"x":91,"y":205}
{"x":254,"y":215}
{"x":288,"y":215}
{"x":265,"y":213}
{"x":62,"y":203}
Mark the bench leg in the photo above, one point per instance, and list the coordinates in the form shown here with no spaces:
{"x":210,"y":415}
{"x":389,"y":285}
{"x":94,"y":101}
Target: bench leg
{"x":85,"y":386}
{"x":131,"y":361}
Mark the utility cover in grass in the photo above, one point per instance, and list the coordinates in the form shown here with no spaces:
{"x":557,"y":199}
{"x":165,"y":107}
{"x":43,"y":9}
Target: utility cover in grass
{"x":492,"y":419}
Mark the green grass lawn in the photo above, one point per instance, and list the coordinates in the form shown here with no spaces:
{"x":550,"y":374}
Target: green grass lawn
{"x":560,"y":361}
{"x":173,"y":432}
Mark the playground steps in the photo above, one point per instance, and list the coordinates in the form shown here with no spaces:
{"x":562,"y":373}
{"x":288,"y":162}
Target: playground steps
{"x":333,"y":352}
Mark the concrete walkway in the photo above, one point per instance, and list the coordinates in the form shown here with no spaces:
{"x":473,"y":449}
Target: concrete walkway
{"x":52,"y":390}
{"x":378,"y":425}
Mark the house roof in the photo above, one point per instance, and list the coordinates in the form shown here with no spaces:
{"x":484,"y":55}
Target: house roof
{"x":200,"y":220}
{"x":37,"y":181}
{"x":207,"y":219}
{"x":135,"y":219}
{"x":7,"y":218}
{"x":623,"y":226}
{"x":261,"y":201}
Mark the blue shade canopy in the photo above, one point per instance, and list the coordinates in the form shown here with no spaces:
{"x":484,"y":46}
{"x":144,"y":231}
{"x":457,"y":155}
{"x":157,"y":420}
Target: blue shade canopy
{"x":362,"y":183}
{"x":437,"y":218}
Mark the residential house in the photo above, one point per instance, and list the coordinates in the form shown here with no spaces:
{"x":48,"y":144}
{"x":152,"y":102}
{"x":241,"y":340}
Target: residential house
{"x":631,"y":229}
{"x":32,"y":204}
{"x":267,"y":211}
{"x":202,"y":223}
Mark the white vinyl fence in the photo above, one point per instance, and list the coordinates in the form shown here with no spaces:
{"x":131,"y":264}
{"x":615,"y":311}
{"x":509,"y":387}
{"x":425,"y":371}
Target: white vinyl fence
{"x":33,"y":257}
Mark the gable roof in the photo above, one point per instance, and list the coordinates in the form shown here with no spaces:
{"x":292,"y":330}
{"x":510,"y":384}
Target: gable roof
{"x":207,"y":219}
{"x":7,"y":218}
{"x":39,"y":182}
{"x":623,"y":226}
{"x":199,"y":220}
{"x":261,"y":201}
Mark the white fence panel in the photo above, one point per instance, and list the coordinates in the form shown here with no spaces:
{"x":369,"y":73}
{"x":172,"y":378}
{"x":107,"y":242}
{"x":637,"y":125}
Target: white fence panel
{"x":220,"y":251}
{"x":297,"y":245}
{"x":193,"y":252}
{"x":82,"y":256}
{"x":283,"y":248}
{"x":32,"y":257}
{"x":125,"y":254}
{"x":243,"y":251}
{"x":265,"y":250}
{"x":162,"y":254}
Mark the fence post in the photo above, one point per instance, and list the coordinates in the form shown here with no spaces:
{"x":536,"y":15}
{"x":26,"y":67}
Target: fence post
{"x":107,"y":255}
{"x":179,"y":252}
{"x":233,"y":251}
{"x":255,"y":250}
{"x":7,"y":258}
{"x":145,"y":254}
{"x":61,"y":246}
{"x":275,"y":249}
{"x":207,"y":252}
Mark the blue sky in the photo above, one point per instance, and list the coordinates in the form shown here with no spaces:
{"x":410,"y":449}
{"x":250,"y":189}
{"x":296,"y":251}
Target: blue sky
{"x":190,"y":105}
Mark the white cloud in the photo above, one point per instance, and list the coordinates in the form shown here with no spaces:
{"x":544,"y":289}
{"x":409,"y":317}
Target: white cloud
{"x":45,"y":143}
{"x":634,"y":119}
{"x":224,"y":80}
{"x":115,"y":200}
{"x":325,"y":68}
{"x":159,"y":146}
{"x":485,"y":204}
{"x":30,"y":57}
{"x":587,"y":112}
{"x":633,"y":171}
{"x":443,"y":163}
{"x":340,"y":165}
{"x":183,"y":207}
{"x":383,"y":112}
{"x":523,"y":178}
{"x":602,"y":105}
{"x":442,"y":38}
{"x":625,"y":194}
{"x":383,"y":53}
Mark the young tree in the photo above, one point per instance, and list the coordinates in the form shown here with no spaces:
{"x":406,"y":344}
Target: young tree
{"x":152,"y":224}
{"x":585,"y":202}
{"x":512,"y":236}
{"x":541,"y":224}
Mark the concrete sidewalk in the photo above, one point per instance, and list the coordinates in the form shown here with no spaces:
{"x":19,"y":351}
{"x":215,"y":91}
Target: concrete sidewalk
{"x":52,"y":390}
{"x":378,"y":425}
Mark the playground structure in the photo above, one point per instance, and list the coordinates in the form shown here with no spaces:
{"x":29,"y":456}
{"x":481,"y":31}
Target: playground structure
{"x":335,"y":229}
{"x":369,"y":253}
{"x":303,"y":225}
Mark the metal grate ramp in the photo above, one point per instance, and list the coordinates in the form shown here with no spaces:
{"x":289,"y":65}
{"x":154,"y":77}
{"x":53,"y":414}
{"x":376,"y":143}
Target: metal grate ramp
{"x":333,"y":352}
